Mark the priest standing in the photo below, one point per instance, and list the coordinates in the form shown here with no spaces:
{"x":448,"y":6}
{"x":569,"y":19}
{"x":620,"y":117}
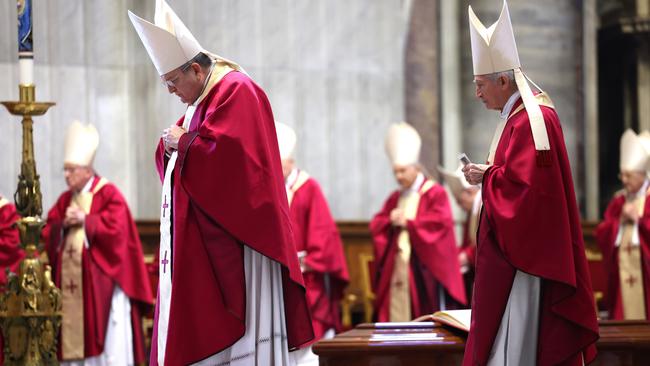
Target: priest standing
{"x":468,"y":198}
{"x":96,"y":257}
{"x":533,"y":302}
{"x":416,"y":270}
{"x":624,"y":235}
{"x":319,"y":246}
{"x":230,"y":290}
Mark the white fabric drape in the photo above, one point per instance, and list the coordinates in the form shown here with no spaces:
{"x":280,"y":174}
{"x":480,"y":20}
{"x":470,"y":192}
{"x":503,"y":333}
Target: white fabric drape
{"x":118,"y":346}
{"x":265,"y":341}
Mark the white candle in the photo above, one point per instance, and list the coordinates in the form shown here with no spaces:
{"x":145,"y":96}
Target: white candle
{"x":26,"y":66}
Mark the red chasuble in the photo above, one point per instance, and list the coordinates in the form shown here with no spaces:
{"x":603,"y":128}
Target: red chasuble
{"x":434,"y":255}
{"x":606,"y":233}
{"x":228,"y":191}
{"x":530,"y":222}
{"x":315,"y":232}
{"x":114,"y":256}
{"x":10,"y":251}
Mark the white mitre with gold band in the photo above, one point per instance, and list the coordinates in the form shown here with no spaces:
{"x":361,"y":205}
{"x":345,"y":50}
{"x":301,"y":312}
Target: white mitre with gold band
{"x":81,"y":142}
{"x":169,"y":43}
{"x":286,"y":140}
{"x":455,"y":180}
{"x":494,"y":50}
{"x":634,"y":156}
{"x":403,"y":144}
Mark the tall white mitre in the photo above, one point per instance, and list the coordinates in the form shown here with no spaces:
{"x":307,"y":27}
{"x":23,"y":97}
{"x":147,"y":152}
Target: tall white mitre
{"x":81,"y":142}
{"x":403,"y":144}
{"x":286,"y":140}
{"x":494,"y":50}
{"x":168,"y":41}
{"x":634,"y":156}
{"x":455,"y":180}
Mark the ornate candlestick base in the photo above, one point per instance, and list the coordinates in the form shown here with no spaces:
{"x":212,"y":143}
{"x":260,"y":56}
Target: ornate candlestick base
{"x":30,"y":309}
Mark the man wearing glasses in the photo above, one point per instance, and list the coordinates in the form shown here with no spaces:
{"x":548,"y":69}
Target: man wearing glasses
{"x":230,"y":279}
{"x":97,"y":262}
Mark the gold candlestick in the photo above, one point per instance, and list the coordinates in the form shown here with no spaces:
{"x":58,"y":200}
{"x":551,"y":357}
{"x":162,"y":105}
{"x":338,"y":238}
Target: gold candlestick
{"x":30,"y":309}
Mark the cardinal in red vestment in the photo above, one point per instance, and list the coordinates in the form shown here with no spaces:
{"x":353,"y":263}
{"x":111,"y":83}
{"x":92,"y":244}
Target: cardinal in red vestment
{"x":468,"y":198}
{"x":533,"y":302}
{"x":624,"y":234}
{"x":97,"y":262}
{"x":230,"y":280}
{"x":416,"y":266}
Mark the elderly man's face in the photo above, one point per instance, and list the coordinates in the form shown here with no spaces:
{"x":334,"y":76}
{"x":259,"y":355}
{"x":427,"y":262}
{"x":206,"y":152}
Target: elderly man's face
{"x":76,"y":176}
{"x":405,"y":175}
{"x":493,"y":92}
{"x":185,"y":83}
{"x":632,"y":180}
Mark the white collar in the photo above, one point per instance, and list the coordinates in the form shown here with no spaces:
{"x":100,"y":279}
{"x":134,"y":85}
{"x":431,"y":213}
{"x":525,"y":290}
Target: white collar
{"x":89,"y":184}
{"x":505,"y":112}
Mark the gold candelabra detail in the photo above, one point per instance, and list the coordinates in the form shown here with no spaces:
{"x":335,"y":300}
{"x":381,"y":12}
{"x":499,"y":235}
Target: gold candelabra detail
{"x":30,"y":309}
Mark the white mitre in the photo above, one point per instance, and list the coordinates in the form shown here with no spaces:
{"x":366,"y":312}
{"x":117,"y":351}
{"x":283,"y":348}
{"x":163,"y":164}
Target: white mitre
{"x":403,"y":144}
{"x":634,"y":156}
{"x":168,"y":41}
{"x":455,"y":180}
{"x":81,"y":142}
{"x":494,"y":50}
{"x":286,"y":140}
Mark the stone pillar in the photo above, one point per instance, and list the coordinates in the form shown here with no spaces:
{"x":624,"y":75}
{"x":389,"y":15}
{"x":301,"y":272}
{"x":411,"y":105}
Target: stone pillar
{"x":421,"y":81}
{"x":450,"y":81}
{"x":590,"y":113}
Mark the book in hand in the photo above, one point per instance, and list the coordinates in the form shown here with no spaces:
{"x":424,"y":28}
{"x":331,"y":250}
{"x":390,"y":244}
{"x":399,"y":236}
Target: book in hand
{"x":459,"y":319}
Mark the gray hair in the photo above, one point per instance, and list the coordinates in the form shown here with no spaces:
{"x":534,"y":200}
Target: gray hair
{"x":510,"y":74}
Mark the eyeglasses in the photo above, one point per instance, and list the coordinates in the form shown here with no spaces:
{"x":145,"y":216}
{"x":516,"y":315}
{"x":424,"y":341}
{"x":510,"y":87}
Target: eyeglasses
{"x":171,"y":83}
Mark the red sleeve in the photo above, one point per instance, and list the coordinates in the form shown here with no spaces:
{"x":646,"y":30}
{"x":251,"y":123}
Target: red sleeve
{"x":470,"y":252}
{"x":114,"y":243}
{"x":432,"y":237}
{"x":52,"y":233}
{"x":324,"y":247}
{"x":381,"y":229}
{"x":607,"y":230}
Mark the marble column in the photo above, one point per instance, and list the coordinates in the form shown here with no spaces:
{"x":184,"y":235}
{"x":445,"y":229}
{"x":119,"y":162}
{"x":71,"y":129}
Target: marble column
{"x":590,"y":109}
{"x":421,"y":81}
{"x":450,"y":82}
